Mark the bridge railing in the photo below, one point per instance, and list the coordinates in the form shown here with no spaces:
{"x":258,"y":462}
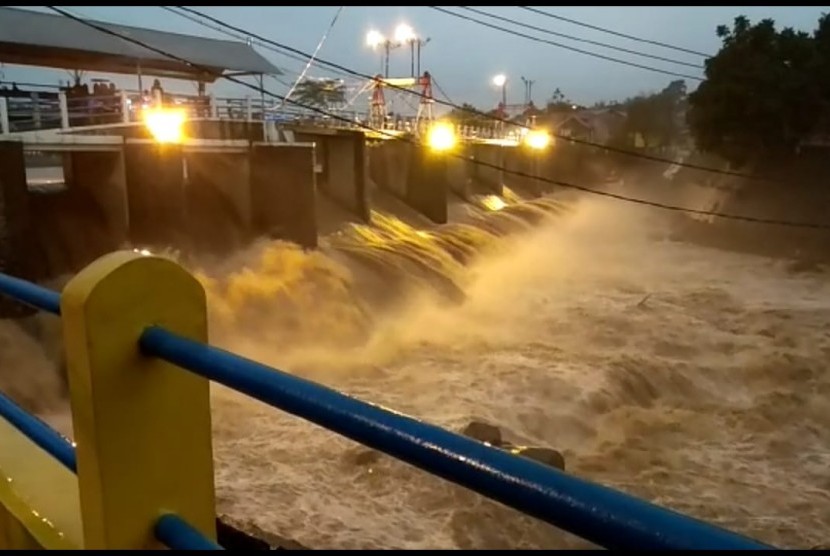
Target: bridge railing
{"x":43,"y":111}
{"x":139,"y":366}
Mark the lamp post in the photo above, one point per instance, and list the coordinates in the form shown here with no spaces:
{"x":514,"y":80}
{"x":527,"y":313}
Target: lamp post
{"x":405,"y":34}
{"x":374,"y":39}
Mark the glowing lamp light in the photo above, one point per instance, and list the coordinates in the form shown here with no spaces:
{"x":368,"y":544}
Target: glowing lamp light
{"x":500,"y":80}
{"x":537,"y":139}
{"x":165,"y":125}
{"x":374,"y":39}
{"x":441,"y":137}
{"x":404,"y":33}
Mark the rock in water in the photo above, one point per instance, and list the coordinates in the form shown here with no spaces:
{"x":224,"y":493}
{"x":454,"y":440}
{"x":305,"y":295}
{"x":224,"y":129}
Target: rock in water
{"x":546,"y":456}
{"x":491,"y":434}
{"x":483,"y":433}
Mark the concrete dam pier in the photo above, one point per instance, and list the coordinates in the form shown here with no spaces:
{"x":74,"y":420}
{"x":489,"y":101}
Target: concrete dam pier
{"x":228,"y":183}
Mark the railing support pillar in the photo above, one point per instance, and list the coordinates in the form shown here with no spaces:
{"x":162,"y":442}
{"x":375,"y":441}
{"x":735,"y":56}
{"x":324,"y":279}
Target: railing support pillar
{"x":249,"y":109}
{"x":64,"y":110}
{"x":125,"y":108}
{"x":4,"y":116}
{"x":142,"y":426}
{"x":36,"y":109}
{"x":214,"y":109}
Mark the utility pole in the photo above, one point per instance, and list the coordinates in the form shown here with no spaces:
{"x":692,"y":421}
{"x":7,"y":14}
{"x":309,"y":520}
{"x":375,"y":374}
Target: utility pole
{"x":419,"y":43}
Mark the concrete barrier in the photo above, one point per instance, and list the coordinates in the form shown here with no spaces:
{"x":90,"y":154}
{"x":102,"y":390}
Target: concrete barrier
{"x":218,"y":201}
{"x":100,"y":176}
{"x":428,"y":183}
{"x":461,"y":171}
{"x":16,"y":247}
{"x":414,"y":174}
{"x":282,"y":183}
{"x":156,"y":193}
{"x":524,"y":161}
{"x":485,"y":179}
{"x":340,"y":154}
{"x":212,"y":129}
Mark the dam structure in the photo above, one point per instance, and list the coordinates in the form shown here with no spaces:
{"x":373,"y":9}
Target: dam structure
{"x":92,"y":190}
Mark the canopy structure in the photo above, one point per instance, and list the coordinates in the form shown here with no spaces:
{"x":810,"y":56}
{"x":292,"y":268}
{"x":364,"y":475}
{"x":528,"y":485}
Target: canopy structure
{"x":32,"y":38}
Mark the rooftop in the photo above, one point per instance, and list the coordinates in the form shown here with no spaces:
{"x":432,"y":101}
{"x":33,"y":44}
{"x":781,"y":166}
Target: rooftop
{"x":33,"y":38}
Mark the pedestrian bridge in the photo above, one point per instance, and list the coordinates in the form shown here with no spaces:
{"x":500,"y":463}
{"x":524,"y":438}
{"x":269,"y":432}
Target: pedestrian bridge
{"x":140,"y":472}
{"x":27,"y":118}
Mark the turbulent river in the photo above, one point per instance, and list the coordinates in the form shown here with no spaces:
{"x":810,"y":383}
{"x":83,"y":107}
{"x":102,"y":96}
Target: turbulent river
{"x":693,"y":377}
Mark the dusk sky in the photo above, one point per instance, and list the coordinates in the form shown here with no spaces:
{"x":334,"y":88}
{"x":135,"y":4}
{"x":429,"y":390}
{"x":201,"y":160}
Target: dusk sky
{"x":463,"y":56}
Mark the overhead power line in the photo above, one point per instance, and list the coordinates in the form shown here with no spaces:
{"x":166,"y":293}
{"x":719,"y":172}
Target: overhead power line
{"x":241,"y":35}
{"x":461,"y":108}
{"x":567,"y":47}
{"x":316,"y":51}
{"x":580,"y":39}
{"x":615,"y":33}
{"x":262,"y":90}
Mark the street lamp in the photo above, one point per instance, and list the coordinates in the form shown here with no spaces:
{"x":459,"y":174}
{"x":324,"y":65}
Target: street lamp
{"x":403,"y":35}
{"x":374,"y":39}
{"x":501,"y":81}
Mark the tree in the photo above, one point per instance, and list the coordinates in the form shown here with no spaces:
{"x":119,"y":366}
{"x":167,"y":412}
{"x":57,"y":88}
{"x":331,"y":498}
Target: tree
{"x":558,"y":102}
{"x":656,"y":118}
{"x":763,"y":91}
{"x":321,"y":93}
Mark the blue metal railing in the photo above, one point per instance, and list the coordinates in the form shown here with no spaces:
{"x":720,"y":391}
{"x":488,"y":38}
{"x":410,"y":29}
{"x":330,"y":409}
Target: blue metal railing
{"x":596,"y":513}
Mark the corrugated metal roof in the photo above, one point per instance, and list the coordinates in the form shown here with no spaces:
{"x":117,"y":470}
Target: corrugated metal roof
{"x":42,"y":39}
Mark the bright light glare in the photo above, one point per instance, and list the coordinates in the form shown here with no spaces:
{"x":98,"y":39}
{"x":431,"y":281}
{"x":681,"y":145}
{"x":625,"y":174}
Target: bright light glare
{"x":404,"y":33}
{"x":493,"y":202}
{"x":441,"y":137}
{"x":165,"y":124}
{"x":500,"y":80}
{"x":374,"y":38}
{"x":143,"y":252}
{"x":537,"y":139}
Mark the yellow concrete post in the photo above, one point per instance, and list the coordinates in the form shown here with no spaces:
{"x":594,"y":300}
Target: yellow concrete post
{"x":142,"y":426}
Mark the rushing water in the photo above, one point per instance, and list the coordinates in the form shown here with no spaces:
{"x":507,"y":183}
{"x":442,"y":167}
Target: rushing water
{"x":693,"y":377}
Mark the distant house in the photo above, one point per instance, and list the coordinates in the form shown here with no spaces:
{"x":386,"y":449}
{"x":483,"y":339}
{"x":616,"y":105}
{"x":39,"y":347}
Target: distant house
{"x":595,"y":125}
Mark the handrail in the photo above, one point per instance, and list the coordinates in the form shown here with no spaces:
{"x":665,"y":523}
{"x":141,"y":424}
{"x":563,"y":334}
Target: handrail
{"x":599,"y":514}
{"x":178,"y":534}
{"x":31,"y":294}
{"x":44,"y":436}
{"x":596,"y":513}
{"x":172,"y":530}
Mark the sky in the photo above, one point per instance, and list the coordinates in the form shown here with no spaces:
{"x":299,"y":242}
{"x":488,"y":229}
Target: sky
{"x":463,"y":56}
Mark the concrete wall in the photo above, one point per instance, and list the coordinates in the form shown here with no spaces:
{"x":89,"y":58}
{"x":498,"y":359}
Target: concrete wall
{"x":156,"y":194}
{"x":485,"y":179}
{"x":461,"y":171}
{"x":218,"y":201}
{"x":343,"y":177}
{"x":414,"y":174}
{"x":18,"y":254}
{"x":100,"y":176}
{"x":224,"y":129}
{"x":524,"y":161}
{"x":282,"y":182}
{"x":86,"y":219}
{"x":205,"y":198}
